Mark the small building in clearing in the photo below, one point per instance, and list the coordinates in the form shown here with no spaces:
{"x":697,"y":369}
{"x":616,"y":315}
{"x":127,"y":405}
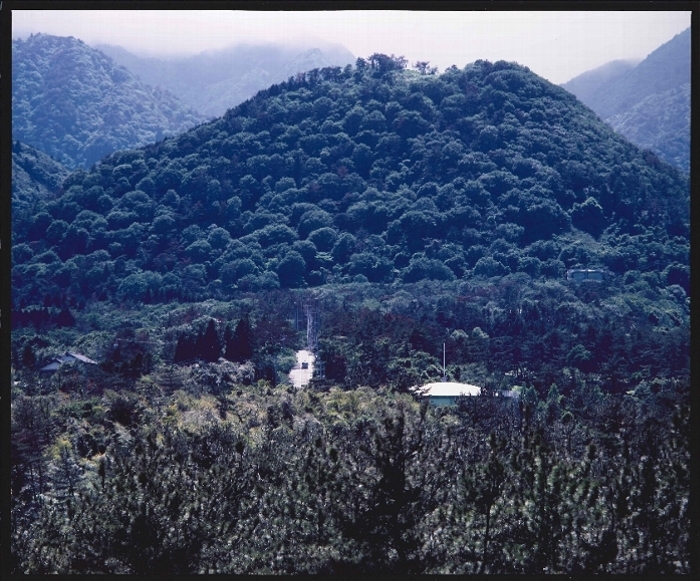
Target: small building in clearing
{"x":446,"y":392}
{"x":67,"y":357}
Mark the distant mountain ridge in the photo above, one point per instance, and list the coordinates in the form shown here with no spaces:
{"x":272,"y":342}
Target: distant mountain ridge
{"x":587,"y":84}
{"x":76,"y":104}
{"x":214,"y":81}
{"x":665,"y":68}
{"x":660,"y":122}
{"x":635,"y":100}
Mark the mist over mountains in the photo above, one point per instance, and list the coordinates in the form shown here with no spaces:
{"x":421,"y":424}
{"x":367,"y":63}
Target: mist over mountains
{"x":214,"y":81}
{"x":77,"y":105}
{"x":586,"y":85}
{"x":648,"y":103}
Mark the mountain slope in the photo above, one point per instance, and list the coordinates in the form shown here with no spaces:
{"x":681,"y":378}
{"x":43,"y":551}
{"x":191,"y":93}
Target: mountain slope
{"x":35,"y":177}
{"x":75,"y":104}
{"x":649,"y":103}
{"x":661,"y":123}
{"x":372,"y":173}
{"x":214,"y":81}
{"x":34,"y":174}
{"x":665,"y":68}
{"x":587,"y":84}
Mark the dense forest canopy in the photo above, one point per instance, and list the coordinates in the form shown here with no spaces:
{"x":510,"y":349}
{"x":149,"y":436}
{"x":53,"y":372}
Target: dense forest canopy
{"x":369,"y":173}
{"x":35,"y":176}
{"x":259,"y":480}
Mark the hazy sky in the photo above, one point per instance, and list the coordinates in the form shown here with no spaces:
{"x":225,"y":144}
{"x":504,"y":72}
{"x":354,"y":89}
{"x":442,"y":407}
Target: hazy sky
{"x":556,"y":45}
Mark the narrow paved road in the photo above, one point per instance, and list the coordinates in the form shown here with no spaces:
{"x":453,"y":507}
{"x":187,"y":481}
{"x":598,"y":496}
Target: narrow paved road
{"x":300,"y":376}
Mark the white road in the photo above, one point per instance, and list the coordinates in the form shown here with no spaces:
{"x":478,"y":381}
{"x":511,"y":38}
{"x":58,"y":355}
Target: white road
{"x":301,"y":374}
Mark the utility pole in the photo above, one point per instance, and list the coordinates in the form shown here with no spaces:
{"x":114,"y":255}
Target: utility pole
{"x":444,"y":368}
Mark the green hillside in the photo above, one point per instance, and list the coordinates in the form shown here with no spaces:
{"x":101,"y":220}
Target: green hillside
{"x":35,"y":175}
{"x":75,"y":104}
{"x":368,"y":173}
{"x":660,"y":123}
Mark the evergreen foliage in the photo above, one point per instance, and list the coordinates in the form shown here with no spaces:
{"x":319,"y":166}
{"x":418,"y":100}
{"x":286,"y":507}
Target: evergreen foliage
{"x":208,"y":345}
{"x":338,"y":188}
{"x":351,"y":482}
{"x":240,"y":346}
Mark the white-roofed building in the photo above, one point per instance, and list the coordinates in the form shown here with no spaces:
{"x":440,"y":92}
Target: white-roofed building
{"x":446,"y":392}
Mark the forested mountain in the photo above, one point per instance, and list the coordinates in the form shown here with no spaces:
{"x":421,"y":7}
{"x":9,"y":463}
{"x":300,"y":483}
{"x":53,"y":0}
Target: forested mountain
{"x":660,"y":123}
{"x":35,"y":176}
{"x":649,"y":103}
{"x":586,"y":85}
{"x":75,"y":104}
{"x":214,"y":81}
{"x":372,"y":172}
{"x":417,"y":212}
{"x":665,"y":68}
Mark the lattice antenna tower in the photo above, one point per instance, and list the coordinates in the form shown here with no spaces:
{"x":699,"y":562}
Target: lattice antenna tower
{"x":313,"y":315}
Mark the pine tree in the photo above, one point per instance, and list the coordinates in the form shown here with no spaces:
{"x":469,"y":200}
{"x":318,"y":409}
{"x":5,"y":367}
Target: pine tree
{"x":240,"y":347}
{"x":28,"y":357}
{"x":208,"y":344}
{"x":185,"y":349}
{"x":65,"y":318}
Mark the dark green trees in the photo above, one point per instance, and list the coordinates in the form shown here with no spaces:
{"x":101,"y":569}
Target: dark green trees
{"x":378,"y":161}
{"x":205,"y":346}
{"x":239,"y":347}
{"x":208,"y":345}
{"x":353,"y":481}
{"x":389,"y":520}
{"x":291,"y":270}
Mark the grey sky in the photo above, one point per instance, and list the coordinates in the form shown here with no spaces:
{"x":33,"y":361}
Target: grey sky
{"x":556,"y":45}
